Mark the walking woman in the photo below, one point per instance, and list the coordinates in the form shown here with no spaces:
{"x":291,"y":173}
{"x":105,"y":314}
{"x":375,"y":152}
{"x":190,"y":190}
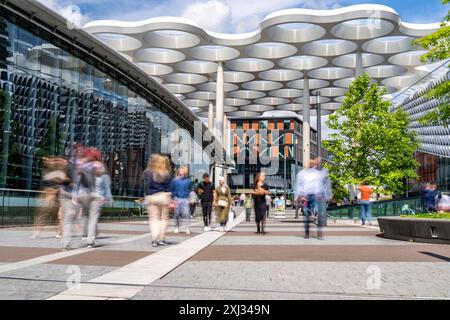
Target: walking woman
{"x":222,"y":202}
{"x":54,"y":176}
{"x":157,"y":180}
{"x":260,"y":190}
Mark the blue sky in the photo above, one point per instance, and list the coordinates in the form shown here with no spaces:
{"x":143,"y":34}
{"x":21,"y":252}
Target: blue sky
{"x":229,"y":16}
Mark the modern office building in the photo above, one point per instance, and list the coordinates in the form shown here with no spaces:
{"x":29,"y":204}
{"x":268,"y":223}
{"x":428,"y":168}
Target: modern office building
{"x":273,"y":144}
{"x":61,"y":86}
{"x":433,"y":155}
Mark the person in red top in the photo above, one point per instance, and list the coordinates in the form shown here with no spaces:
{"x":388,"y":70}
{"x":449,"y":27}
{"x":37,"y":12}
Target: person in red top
{"x":366,"y":192}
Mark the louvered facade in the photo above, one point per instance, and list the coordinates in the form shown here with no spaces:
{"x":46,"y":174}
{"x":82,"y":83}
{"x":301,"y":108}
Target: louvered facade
{"x":54,"y":96}
{"x":433,"y":155}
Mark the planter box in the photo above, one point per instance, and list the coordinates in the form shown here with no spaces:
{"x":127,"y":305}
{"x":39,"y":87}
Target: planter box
{"x":415,"y":229}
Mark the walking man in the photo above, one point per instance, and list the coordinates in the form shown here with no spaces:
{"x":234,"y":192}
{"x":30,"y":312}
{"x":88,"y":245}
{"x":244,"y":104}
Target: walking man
{"x":248,"y":204}
{"x":180,"y":188}
{"x":207,"y":196}
{"x":313,"y":186}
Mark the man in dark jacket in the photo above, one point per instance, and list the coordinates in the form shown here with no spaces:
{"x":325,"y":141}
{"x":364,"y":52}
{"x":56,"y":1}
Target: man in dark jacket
{"x":206,"y":195}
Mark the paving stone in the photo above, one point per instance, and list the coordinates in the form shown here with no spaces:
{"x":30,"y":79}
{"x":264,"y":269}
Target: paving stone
{"x":221,"y":279}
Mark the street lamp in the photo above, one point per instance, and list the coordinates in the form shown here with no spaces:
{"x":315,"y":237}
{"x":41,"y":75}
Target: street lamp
{"x":285,"y":181}
{"x":319,"y":126}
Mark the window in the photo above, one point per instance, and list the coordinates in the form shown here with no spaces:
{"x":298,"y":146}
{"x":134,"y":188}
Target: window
{"x":60,"y":98}
{"x":287,"y":124}
{"x":263,"y":124}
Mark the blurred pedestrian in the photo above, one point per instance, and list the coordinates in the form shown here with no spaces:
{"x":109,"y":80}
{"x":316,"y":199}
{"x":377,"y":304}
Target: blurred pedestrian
{"x":365,"y":204}
{"x":248,"y":204}
{"x":102,"y":196}
{"x":53,"y":178}
{"x":269,"y":204}
{"x":222,"y":202}
{"x":260,"y":190}
{"x":207,"y":198}
{"x":313,"y":188}
{"x":430,"y":197}
{"x":180,"y":188}
{"x":157,"y":178}
{"x":236,"y":200}
{"x":69,"y":214}
{"x":193,"y":199}
{"x":324,"y":198}
{"x":84,"y":185}
{"x":345,"y":201}
{"x":242,"y":199}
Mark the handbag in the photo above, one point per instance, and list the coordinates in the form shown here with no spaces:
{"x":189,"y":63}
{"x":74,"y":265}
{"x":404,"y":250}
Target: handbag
{"x":222,"y":203}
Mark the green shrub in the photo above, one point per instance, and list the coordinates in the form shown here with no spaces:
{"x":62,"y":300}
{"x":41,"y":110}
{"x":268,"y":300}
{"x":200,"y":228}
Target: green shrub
{"x":428,"y":215}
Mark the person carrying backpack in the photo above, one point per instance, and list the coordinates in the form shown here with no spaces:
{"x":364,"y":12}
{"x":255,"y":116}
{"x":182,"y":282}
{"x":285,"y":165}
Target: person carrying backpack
{"x":84,"y":188}
{"x":101,"y":196}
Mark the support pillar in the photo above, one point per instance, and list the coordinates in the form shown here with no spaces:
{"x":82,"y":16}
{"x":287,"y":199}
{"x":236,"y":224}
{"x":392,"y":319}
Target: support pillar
{"x":306,"y":123}
{"x":319,"y":126}
{"x":211,"y":116}
{"x":359,"y":64}
{"x":225,"y":133}
{"x":218,"y":132}
{"x":225,"y":142}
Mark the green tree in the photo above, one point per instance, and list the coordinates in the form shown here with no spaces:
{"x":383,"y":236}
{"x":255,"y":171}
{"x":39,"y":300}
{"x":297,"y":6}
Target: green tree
{"x":438,"y":44}
{"x":372,"y":144}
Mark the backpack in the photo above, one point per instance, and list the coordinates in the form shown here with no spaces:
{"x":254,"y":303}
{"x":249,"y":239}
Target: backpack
{"x":87,"y":179}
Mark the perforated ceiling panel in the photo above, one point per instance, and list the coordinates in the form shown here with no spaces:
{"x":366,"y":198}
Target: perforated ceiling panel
{"x":265,"y":69}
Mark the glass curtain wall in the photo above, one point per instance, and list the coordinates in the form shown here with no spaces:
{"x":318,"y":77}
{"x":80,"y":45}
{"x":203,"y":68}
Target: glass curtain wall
{"x":51,"y":99}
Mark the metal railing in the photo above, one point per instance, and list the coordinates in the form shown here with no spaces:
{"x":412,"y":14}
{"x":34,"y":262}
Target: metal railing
{"x":394,"y":207}
{"x":19,"y":207}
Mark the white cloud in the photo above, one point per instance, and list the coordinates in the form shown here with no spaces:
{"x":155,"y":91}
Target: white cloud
{"x":243,"y":9}
{"x":244,"y":12}
{"x":247,"y":24}
{"x":213,"y":15}
{"x":239,"y":16}
{"x":75,"y":18}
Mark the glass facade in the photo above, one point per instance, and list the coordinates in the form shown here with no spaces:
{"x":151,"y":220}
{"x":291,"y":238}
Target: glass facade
{"x":432,"y":169}
{"x":433,"y":154}
{"x":51,"y":98}
{"x":256,"y":138}
{"x":443,"y":173}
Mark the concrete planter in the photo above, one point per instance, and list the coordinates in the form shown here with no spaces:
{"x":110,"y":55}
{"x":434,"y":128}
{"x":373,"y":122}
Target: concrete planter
{"x":415,"y":229}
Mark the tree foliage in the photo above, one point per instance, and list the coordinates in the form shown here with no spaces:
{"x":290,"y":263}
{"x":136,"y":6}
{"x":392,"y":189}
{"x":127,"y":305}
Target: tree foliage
{"x":437,"y":44}
{"x":372,"y":144}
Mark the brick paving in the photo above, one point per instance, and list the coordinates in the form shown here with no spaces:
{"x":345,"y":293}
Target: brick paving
{"x":116,"y":258}
{"x":352,"y":262}
{"x":284,"y":265}
{"x":298,"y":233}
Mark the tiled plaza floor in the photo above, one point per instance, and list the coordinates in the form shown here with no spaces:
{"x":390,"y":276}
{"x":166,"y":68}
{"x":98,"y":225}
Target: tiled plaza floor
{"x":352,"y":262}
